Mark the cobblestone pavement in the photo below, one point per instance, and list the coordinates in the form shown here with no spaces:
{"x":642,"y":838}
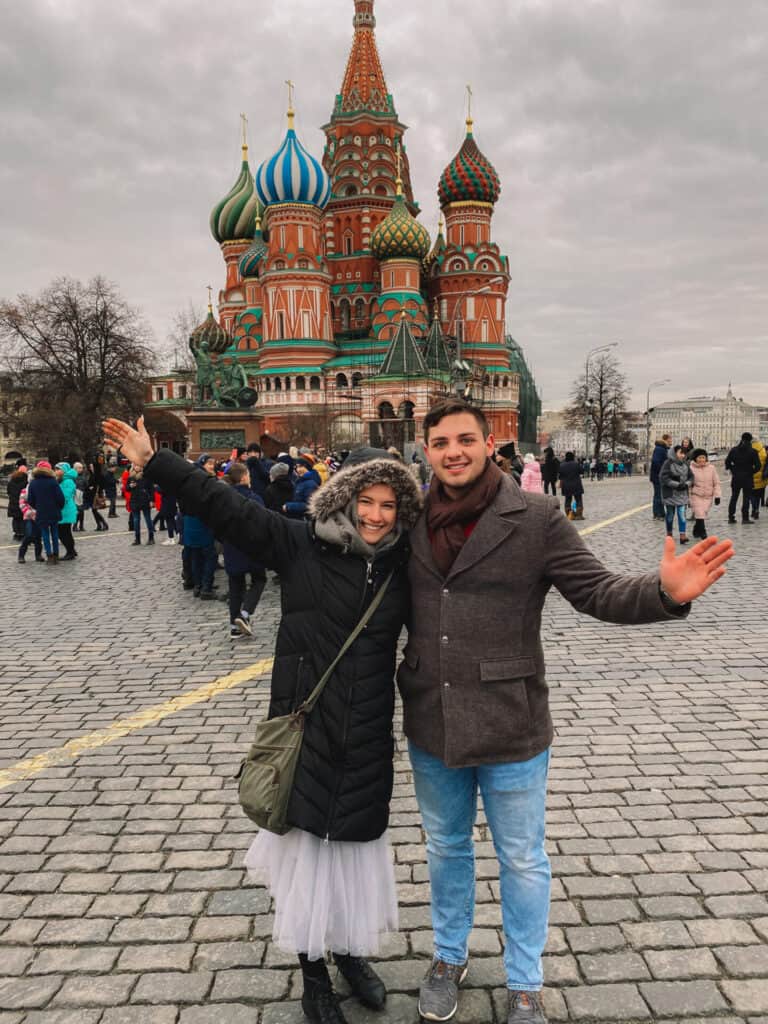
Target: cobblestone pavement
{"x":122,"y":896}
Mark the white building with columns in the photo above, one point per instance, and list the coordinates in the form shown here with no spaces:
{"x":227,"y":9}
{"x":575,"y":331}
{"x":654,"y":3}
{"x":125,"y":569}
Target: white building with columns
{"x":711,"y":423}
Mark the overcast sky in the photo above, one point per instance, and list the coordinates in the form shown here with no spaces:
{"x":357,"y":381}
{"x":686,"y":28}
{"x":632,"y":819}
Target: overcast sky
{"x":630,"y":136}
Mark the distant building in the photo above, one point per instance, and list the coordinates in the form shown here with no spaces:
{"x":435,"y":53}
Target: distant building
{"x":12,"y":447}
{"x":712,"y":423}
{"x":529,"y":401}
{"x":169,"y":397}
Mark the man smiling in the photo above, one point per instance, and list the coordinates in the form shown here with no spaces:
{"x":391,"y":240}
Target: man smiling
{"x":476,"y":710}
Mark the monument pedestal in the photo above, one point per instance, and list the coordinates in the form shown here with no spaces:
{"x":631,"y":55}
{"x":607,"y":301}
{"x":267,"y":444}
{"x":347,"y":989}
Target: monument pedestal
{"x":218,"y":431}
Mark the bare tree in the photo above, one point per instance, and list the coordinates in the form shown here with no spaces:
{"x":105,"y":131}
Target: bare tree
{"x":176,"y":354}
{"x":600,"y":403}
{"x":75,"y":352}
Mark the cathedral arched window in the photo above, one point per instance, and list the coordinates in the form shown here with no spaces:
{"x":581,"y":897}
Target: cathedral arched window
{"x":279,"y":264}
{"x":268,"y":384}
{"x":405,"y":410}
{"x":505,"y":382}
{"x":303,"y":265}
{"x":301,"y":384}
{"x":341,"y":381}
{"x":314,"y":383}
{"x":357,"y":380}
{"x":386,"y":411}
{"x":287,"y":383}
{"x":380,"y":190}
{"x":359,"y":310}
{"x":278,"y":384}
{"x":351,"y":190}
{"x":349,"y":242}
{"x":457,"y":265}
{"x":344,"y":309}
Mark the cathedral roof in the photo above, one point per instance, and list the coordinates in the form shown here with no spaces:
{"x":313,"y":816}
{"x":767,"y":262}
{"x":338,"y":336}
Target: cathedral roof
{"x":438,"y":248}
{"x":400,"y":236}
{"x":470,"y":176}
{"x":233,"y":218}
{"x":364,"y":86}
{"x":435,"y":353}
{"x":211,"y":331}
{"x":293,"y":175}
{"x":403,"y":358}
{"x":249,"y":261}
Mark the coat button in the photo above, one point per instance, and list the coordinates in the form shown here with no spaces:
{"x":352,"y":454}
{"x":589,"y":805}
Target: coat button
{"x":446,"y":592}
{"x":443,"y":639}
{"x":447,"y":686}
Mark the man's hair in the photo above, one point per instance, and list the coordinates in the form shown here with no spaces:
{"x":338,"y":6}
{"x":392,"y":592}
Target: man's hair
{"x":451,"y":407}
{"x":665,"y":436}
{"x":253,"y":447}
{"x":237,"y":472}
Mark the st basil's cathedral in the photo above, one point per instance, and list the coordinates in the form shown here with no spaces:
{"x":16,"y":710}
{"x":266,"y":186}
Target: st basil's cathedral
{"x":336,"y":304}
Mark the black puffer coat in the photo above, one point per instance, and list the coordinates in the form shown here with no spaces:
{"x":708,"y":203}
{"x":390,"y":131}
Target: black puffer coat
{"x":343,"y":782}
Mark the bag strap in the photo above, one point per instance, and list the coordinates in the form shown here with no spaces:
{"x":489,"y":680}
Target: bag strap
{"x":313,"y":698}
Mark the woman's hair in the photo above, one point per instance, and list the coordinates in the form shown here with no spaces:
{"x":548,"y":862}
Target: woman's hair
{"x":697,"y":452}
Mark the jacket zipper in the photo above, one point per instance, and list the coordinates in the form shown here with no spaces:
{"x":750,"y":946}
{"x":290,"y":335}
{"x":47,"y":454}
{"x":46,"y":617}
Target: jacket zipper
{"x":298,"y":683}
{"x":348,"y":708}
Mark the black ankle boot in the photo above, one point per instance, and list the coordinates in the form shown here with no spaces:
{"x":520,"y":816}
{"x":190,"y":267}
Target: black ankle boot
{"x":363,"y":980}
{"x":321,"y":1004}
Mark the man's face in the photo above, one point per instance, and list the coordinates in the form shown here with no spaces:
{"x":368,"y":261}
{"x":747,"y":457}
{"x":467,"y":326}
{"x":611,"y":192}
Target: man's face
{"x":210,"y":466}
{"x":457,"y":451}
{"x":300,"y":471}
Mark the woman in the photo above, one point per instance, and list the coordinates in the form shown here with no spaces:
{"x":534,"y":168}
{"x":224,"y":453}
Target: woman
{"x":45,"y":496}
{"x":531,"y":478}
{"x":331,"y":876}
{"x":93,"y":497}
{"x":674,"y":477}
{"x":141,"y":492}
{"x":705,"y":488}
{"x":67,"y":479}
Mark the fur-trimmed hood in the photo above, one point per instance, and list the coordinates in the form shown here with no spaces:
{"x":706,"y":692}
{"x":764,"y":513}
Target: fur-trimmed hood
{"x":336,"y":495}
{"x":41,"y":471}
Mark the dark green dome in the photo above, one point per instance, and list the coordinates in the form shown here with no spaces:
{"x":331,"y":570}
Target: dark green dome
{"x":400,"y":236}
{"x":233,"y":218}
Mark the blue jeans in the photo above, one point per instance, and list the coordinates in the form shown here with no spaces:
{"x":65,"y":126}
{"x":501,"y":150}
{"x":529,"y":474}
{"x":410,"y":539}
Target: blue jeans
{"x":669,"y":512}
{"x":514,"y":798}
{"x":137,"y":523}
{"x":50,"y":534}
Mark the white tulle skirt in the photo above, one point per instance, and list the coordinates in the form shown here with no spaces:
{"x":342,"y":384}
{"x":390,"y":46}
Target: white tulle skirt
{"x":328,"y":896}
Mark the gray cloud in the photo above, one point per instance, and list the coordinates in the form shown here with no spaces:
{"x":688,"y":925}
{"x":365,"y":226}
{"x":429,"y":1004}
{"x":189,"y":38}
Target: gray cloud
{"x":630,"y":137}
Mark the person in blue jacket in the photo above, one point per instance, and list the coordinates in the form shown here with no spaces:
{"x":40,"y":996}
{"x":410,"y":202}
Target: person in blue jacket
{"x":307,"y":482}
{"x":199,"y":543}
{"x":67,"y":478}
{"x":659,"y":457}
{"x":47,"y":499}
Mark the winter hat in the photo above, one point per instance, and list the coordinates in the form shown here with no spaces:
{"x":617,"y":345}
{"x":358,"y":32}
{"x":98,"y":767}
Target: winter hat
{"x":697,"y":452}
{"x":305,"y":463}
{"x":201,"y":460}
{"x":43,"y":464}
{"x":529,"y":458}
{"x":747,"y":437}
{"x":278,"y":471}
{"x":360,"y":455}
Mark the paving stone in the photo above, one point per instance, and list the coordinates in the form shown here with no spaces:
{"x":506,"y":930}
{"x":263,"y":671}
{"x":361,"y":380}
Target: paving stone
{"x":141,"y":1015}
{"x":744,"y":961}
{"x":238,"y":902}
{"x":95,"y":991}
{"x":15,"y":959}
{"x":78,"y":1016}
{"x":74,"y":960}
{"x":258,"y":985}
{"x":706,"y":932}
{"x":214,"y":956}
{"x":750,"y":905}
{"x":668,"y":998}
{"x":595,"y":939}
{"x":657,"y":934}
{"x":607,"y":967}
{"x":232,"y":1013}
{"x":606,"y":1002}
{"x":211,"y":929}
{"x":152,"y":929}
{"x":669,"y":964}
{"x":747,"y":996}
{"x":23,"y":993}
{"x":168,"y":956}
{"x":610,"y":911}
{"x":174,"y":987}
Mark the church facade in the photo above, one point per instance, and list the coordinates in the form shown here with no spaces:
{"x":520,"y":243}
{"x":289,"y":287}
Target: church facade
{"x":346,"y":319}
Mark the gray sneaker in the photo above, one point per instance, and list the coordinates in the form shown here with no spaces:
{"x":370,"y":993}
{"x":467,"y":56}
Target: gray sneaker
{"x":439,"y":992}
{"x":526,"y":1008}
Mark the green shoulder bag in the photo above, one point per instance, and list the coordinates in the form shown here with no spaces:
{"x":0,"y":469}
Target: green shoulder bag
{"x":266,"y":775}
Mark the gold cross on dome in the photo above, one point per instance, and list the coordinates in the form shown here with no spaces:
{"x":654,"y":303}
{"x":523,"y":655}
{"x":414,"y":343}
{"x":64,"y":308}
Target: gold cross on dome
{"x":210,"y":298}
{"x":291,"y":87}
{"x":469,"y":106}
{"x":244,"y":125}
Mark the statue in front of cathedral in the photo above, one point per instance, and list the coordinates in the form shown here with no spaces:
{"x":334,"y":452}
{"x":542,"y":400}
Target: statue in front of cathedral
{"x":207,"y":389}
{"x":234,"y":390}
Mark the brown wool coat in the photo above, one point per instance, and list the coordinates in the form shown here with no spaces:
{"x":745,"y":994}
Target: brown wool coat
{"x":472,"y":679}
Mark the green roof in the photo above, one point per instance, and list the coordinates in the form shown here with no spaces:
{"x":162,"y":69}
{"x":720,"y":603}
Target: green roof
{"x":403,"y":358}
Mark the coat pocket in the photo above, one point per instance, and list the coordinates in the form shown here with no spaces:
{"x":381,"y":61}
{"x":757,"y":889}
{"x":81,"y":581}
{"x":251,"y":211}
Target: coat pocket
{"x":411,"y":658}
{"x":506,"y":669}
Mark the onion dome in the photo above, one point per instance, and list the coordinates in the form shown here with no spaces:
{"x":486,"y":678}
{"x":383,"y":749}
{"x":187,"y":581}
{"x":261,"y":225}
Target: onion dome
{"x":470,"y":176}
{"x":400,"y":236}
{"x":234,"y":217}
{"x":293,"y":175}
{"x":210,"y":330}
{"x":438,"y":248}
{"x":249,"y":261}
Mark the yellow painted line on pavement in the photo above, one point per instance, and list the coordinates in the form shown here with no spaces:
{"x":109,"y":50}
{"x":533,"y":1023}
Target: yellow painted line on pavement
{"x":93,"y":740}
{"x":615,"y":519}
{"x":96,"y":535}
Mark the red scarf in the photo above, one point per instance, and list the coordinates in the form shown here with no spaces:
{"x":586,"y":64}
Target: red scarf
{"x":447,"y":518}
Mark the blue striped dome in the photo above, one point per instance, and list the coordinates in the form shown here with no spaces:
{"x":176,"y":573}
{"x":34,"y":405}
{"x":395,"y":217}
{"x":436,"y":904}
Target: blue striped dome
{"x":292,"y":175}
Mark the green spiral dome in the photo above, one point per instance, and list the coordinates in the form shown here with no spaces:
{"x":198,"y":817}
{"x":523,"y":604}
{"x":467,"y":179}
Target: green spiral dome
{"x":234,"y":217}
{"x":211,"y":331}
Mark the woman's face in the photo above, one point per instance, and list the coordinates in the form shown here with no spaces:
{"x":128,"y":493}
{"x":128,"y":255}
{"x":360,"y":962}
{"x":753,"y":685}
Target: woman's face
{"x":376,"y":512}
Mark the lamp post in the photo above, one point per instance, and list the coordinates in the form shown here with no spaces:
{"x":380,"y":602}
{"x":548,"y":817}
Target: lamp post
{"x":587,"y":400}
{"x":654,"y":384}
{"x":460,"y":367}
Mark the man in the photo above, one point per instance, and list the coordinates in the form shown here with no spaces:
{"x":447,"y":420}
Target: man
{"x":258,"y":467}
{"x":743,"y":463}
{"x":475,"y":699}
{"x":307,"y":482}
{"x":659,"y":457}
{"x":199,"y":554}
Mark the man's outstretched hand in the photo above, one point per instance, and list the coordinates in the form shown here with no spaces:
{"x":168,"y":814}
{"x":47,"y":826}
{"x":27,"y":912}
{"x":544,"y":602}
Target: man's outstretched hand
{"x":686,"y":577}
{"x":135,"y":444}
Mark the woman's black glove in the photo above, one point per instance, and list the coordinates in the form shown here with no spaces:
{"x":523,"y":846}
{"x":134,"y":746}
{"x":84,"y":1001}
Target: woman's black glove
{"x":717,"y":501}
